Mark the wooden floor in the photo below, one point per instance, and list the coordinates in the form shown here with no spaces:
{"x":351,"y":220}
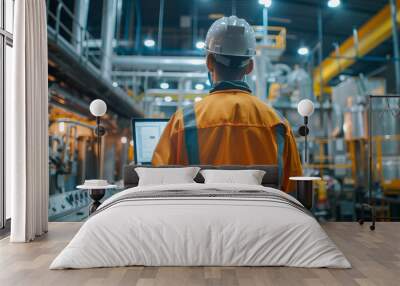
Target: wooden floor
{"x":375,"y":257}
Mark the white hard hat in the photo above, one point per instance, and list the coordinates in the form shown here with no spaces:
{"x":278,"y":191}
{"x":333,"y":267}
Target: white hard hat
{"x":231,"y":36}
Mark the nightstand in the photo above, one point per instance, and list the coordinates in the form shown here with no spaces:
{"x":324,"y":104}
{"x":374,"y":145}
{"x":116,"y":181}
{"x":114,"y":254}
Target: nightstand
{"x":97,"y":190}
{"x":304,"y":190}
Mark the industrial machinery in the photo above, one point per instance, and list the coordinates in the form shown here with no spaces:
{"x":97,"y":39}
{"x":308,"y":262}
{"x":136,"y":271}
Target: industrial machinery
{"x":73,"y":154}
{"x":142,"y":70}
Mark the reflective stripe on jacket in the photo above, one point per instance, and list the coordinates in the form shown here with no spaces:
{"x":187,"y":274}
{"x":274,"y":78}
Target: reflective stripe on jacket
{"x":230,"y":127}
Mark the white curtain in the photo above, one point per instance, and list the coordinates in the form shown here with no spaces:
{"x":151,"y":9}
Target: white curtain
{"x":27,"y":124}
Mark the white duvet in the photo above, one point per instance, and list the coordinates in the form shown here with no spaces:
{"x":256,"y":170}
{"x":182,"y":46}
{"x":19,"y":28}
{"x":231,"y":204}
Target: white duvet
{"x":200,"y":231}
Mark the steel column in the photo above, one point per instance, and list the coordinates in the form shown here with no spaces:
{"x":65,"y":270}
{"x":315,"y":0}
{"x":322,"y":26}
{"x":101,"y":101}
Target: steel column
{"x":160,"y":26}
{"x":265,"y":24}
{"x":107,"y":36}
{"x":320,"y":59}
{"x":81,"y":9}
{"x":138,"y":31}
{"x":195,"y":24}
{"x":396,"y":47}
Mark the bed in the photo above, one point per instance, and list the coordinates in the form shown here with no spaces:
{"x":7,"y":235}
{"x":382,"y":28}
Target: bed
{"x":201,"y":224}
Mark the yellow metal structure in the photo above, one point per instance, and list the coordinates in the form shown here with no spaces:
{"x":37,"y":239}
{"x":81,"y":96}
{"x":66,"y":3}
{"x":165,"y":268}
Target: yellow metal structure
{"x":322,"y":159}
{"x":370,"y":35}
{"x":271,"y":40}
{"x":271,"y":37}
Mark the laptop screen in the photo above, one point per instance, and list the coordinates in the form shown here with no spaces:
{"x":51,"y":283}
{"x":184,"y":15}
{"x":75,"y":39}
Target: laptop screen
{"x":146,"y":134}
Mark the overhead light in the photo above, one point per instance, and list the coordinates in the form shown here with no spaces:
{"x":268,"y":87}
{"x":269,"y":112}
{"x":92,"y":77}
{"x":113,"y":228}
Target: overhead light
{"x":199,"y":86}
{"x":61,"y":127}
{"x":266,"y":3}
{"x":168,"y":99}
{"x":333,"y":3}
{"x":164,"y":85}
{"x":124,"y":140}
{"x":200,"y":45}
{"x":303,"y":51}
{"x":197,"y":62}
{"x":149,"y":43}
{"x":198,"y":98}
{"x":115,"y":84}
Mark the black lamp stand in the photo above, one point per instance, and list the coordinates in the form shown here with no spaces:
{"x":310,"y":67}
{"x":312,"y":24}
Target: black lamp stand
{"x":303,"y":131}
{"x":97,"y":194}
{"x":99,"y":132}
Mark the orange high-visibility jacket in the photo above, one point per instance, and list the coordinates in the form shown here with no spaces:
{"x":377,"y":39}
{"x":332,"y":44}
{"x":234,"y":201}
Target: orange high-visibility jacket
{"x":230,"y":127}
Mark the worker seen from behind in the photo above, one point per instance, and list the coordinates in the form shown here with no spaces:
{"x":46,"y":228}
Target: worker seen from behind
{"x":230,"y":126}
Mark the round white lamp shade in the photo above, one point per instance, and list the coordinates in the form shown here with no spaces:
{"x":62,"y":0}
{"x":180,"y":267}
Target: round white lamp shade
{"x":98,"y":107}
{"x":305,"y":107}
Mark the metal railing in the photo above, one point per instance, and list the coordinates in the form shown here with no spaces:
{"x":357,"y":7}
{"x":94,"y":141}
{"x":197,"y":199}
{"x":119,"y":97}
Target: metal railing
{"x":73,"y":35}
{"x":271,"y":37}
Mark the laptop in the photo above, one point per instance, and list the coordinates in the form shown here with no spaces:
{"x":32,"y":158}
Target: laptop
{"x":146,"y":134}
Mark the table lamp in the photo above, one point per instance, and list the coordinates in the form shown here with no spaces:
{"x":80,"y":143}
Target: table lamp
{"x":98,"y":108}
{"x":305,"y":108}
{"x":97,"y":188}
{"x":304,"y":185}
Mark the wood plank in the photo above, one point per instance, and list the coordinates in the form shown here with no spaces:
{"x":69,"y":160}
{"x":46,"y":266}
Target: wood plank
{"x":375,"y":257}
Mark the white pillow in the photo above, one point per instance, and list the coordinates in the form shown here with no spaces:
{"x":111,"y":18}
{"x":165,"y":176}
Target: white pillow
{"x":248,"y":177}
{"x":166,"y":176}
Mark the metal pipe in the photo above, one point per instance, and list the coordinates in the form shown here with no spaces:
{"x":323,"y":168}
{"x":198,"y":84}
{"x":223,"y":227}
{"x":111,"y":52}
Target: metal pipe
{"x":118,"y":18}
{"x":396,"y":47}
{"x":178,"y":75}
{"x":321,"y":48}
{"x":265,"y":24}
{"x":356,"y":43}
{"x":160,"y":26}
{"x":81,"y":9}
{"x":320,"y":58}
{"x":128,"y":23}
{"x":370,"y":151}
{"x":138,"y":31}
{"x":337,"y":52}
{"x":107,"y":31}
{"x":364,"y":58}
{"x":195,"y":24}
{"x":58,"y":13}
{"x":161,"y":63}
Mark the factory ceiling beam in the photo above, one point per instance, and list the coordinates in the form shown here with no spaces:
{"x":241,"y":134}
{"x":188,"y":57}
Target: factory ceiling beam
{"x":192,"y":75}
{"x":195,"y":64}
{"x":370,"y":35}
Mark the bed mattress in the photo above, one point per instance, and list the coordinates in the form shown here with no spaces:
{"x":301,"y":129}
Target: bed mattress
{"x":201,"y":225}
